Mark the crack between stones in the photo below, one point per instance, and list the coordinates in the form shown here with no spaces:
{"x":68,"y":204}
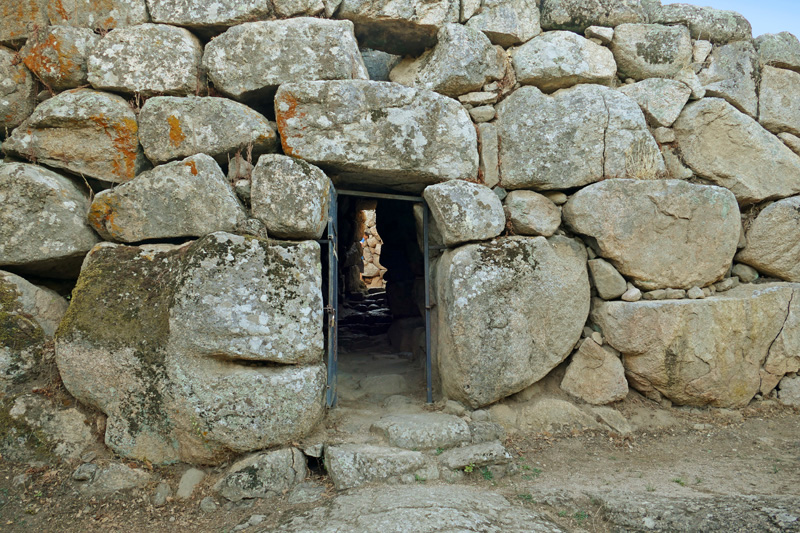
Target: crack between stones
{"x":771,"y":344}
{"x":605,"y":134}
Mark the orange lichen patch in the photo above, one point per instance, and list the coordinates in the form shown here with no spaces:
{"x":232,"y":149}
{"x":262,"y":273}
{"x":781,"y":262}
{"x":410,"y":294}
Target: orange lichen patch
{"x":101,"y":216}
{"x":108,"y":24}
{"x":59,"y":7}
{"x":49,"y":57}
{"x":124,"y":136}
{"x":289,"y":102}
{"x":176,"y":136}
{"x":192,"y":167}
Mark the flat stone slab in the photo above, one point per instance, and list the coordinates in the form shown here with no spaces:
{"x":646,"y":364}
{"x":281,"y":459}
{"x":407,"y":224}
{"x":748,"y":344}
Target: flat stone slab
{"x":423,"y":431}
{"x":476,"y":455}
{"x":352,"y":465}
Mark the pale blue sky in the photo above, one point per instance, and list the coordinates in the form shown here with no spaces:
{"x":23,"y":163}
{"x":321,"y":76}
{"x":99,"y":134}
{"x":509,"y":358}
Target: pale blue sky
{"x":766,"y":16}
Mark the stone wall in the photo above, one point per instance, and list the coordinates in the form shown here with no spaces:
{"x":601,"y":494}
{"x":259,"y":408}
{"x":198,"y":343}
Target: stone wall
{"x":615,"y":185}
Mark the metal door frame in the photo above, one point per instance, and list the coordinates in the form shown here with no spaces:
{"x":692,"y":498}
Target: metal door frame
{"x":332,"y":309}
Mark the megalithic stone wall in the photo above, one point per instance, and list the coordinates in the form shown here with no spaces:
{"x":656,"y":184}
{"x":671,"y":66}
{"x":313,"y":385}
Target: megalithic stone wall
{"x":609,"y":169}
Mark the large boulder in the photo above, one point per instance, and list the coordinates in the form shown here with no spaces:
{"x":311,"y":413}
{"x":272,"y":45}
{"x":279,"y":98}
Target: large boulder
{"x":505,"y":22}
{"x":377,"y":133}
{"x":102,"y":16}
{"x":651,"y":50}
{"x":781,"y":50}
{"x":731,"y":74}
{"x":251,"y":60}
{"x":509,"y":311}
{"x":575,"y":137}
{"x":29,"y":316}
{"x":403,"y":27}
{"x":772,"y":240}
{"x":43,"y":227}
{"x":715,"y":25}
{"x":659,"y":233}
{"x":779,"y":100}
{"x":697,"y":352}
{"x":164,"y":340}
{"x":20,"y":18}
{"x":662,"y":100}
{"x":462,"y":61}
{"x":728,"y":148}
{"x":17,"y":90}
{"x":148,"y":59}
{"x":188,"y":198}
{"x":290,"y":197}
{"x":174,"y":127}
{"x":560,"y":59}
{"x":577,"y":15}
{"x":208,"y":17}
{"x":465,"y":211}
{"x":58,"y":55}
{"x":86,"y":132}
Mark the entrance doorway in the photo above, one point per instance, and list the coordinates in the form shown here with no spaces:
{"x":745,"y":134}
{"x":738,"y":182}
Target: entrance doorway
{"x":365,"y":293}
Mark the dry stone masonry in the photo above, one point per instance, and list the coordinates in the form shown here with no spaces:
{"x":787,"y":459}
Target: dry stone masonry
{"x":614,"y":191}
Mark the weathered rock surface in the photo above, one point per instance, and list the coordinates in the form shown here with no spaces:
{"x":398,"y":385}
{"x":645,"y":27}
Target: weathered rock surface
{"x":577,"y":15}
{"x":290,"y":197}
{"x":67,"y":430}
{"x":58,"y":56}
{"x":251,"y":60}
{"x":780,"y":50}
{"x":595,"y":375}
{"x":465,"y":211}
{"x":535,"y":293}
{"x":731,"y":74}
{"x":423,"y":431}
{"x":103,"y":16}
{"x":43,"y":227}
{"x":660,"y":234}
{"x":352,"y":465}
{"x":155,"y":337}
{"x":531,"y":213}
{"x":19,"y":18}
{"x":188,"y":198}
{"x":552,"y":415}
{"x":784,"y":354}
{"x":697,"y":352}
{"x":379,"y":64}
{"x":489,"y":167}
{"x":560,"y":59}
{"x":730,"y":149}
{"x":575,"y":137}
{"x":208,"y":17}
{"x":86,"y":132}
{"x":662,"y":100}
{"x":651,"y":50}
{"x":790,"y":391}
{"x":476,"y":456}
{"x":715,"y":25}
{"x":772,"y":244}
{"x":792,"y":141}
{"x":173,"y":127}
{"x":148,"y":59}
{"x":377,"y":132}
{"x":17,"y":90}
{"x":114,"y":478}
{"x":506,"y":22}
{"x":779,"y":100}
{"x":607,"y":280}
{"x":263,"y":474}
{"x":463,"y":60}
{"x":403,"y":27}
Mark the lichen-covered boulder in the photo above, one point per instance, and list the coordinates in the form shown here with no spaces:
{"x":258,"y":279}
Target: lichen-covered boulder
{"x":531,"y":213}
{"x":263,"y":474}
{"x":465,"y":211}
{"x":505,"y":22}
{"x":404,"y":27}
{"x":731,"y":74}
{"x":29,"y":316}
{"x":377,"y":132}
{"x":290,"y":197}
{"x":728,"y":148}
{"x":697,"y":352}
{"x":595,"y":375}
{"x":148,"y":59}
{"x":772,"y":243}
{"x":662,"y":100}
{"x":577,"y":15}
{"x":17,"y":90}
{"x":715,"y":25}
{"x":462,"y":61}
{"x":58,"y":56}
{"x":166,"y":339}
{"x":19,"y":19}
{"x":651,"y":50}
{"x":251,"y":60}
{"x":174,"y":127}
{"x":208,"y":17}
{"x":509,"y":311}
{"x":575,"y":137}
{"x":560,"y":59}
{"x":781,"y":50}
{"x":659,"y":233}
{"x":86,"y":132}
{"x":43,"y":227}
{"x":188,"y":198}
{"x":779,"y":100}
{"x":105,"y":15}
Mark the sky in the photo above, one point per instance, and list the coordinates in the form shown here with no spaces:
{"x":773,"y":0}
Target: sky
{"x":766,"y":16}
